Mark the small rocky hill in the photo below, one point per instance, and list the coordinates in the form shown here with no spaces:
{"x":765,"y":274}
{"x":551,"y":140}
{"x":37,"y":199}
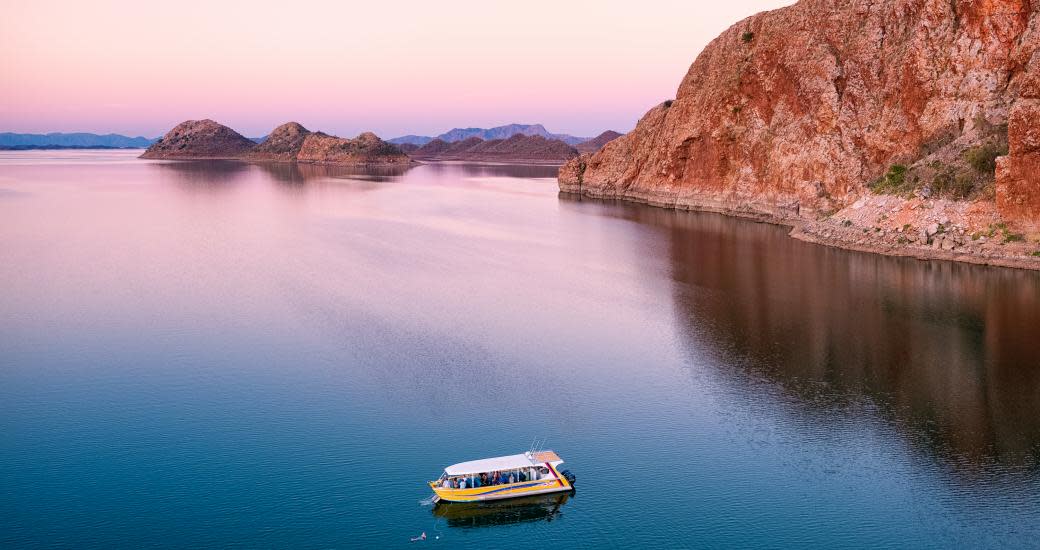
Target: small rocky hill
{"x":367,"y":148}
{"x":199,"y":139}
{"x":597,"y":143}
{"x":282,"y":144}
{"x":518,"y":148}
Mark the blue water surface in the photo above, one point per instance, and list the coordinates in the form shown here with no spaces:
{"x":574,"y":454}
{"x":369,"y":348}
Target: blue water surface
{"x":219,"y":354}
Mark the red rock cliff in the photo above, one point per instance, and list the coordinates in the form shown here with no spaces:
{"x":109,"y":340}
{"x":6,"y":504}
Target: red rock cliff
{"x":792,"y":112}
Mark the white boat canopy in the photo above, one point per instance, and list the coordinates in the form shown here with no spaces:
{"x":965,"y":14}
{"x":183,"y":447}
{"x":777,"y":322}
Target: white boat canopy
{"x":511,"y":462}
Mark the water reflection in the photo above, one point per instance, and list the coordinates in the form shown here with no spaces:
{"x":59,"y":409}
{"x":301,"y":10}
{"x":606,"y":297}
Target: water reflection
{"x":502,"y":512}
{"x":946,"y":351}
{"x":491,"y":170}
{"x":295,"y":173}
{"x":203,"y":173}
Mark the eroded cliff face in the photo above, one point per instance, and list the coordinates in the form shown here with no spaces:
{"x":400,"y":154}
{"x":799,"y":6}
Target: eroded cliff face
{"x":792,"y":113}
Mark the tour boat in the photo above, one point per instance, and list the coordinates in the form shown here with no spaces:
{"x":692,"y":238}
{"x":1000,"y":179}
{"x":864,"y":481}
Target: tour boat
{"x":525,"y":474}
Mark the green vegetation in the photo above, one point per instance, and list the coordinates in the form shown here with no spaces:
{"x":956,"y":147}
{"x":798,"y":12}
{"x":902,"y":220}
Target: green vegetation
{"x":668,"y":103}
{"x":948,"y":184}
{"x":1036,"y":253}
{"x":892,"y":183}
{"x":748,"y":36}
{"x":983,"y":158}
{"x":1005,"y":233}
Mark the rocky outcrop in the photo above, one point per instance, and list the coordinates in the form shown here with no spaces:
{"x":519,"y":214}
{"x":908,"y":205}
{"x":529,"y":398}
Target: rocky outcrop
{"x":282,"y":144}
{"x":1018,"y":174}
{"x":796,"y":113}
{"x":199,"y":139}
{"x":518,"y":149}
{"x":597,"y":143}
{"x":367,"y":148}
{"x":290,"y":142}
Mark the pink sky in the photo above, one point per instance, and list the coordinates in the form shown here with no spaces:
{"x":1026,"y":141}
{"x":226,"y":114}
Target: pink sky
{"x":393,"y":67}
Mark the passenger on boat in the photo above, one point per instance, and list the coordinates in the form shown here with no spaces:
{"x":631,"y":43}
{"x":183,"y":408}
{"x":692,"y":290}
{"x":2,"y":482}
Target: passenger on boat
{"x":483,"y":479}
{"x":462,"y":483}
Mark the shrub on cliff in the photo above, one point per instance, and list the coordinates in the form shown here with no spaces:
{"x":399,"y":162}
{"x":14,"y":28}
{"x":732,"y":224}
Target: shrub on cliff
{"x":983,"y":158}
{"x":893,"y":182}
{"x":947,"y":183}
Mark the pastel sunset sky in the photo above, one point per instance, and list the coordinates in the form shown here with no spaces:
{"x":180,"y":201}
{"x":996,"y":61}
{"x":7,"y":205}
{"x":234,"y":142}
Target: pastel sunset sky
{"x":393,"y":67}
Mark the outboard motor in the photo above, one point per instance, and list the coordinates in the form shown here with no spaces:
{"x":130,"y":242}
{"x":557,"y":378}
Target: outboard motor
{"x":571,"y":478}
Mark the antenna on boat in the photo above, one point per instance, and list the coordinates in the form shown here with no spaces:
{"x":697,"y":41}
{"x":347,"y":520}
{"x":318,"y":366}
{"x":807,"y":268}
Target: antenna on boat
{"x":536,"y":446}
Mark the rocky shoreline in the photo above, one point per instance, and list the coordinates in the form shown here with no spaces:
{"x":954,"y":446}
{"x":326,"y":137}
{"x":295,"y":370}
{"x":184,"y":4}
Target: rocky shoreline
{"x":920,"y":228}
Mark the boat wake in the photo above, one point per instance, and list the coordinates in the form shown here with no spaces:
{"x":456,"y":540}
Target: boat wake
{"x":428,"y":501}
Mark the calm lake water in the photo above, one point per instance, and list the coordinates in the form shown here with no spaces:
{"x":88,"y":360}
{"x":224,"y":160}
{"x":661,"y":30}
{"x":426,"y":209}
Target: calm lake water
{"x":232,"y":355}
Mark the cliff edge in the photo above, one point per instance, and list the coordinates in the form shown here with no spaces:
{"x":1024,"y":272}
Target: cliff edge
{"x":799,"y":113}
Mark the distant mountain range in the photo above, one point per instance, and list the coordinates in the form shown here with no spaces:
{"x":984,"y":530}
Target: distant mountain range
{"x":488,"y":134}
{"x":79,"y":140}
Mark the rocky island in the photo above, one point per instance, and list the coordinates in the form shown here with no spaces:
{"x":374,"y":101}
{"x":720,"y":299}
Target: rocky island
{"x":290,"y":142}
{"x":905,"y":127}
{"x":199,"y":139}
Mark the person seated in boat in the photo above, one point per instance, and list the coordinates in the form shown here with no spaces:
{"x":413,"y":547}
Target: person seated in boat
{"x":483,"y":479}
{"x":543,"y":472}
{"x":503,"y":479}
{"x":462,"y":483}
{"x":446,"y":483}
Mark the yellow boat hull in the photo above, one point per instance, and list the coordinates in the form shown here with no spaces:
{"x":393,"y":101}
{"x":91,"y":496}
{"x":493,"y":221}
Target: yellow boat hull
{"x":555,"y":484}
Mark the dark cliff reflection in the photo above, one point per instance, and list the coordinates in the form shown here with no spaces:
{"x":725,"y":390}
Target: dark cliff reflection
{"x":503,"y":512}
{"x":947,"y":351}
{"x":492,"y":170}
{"x":298,"y":173}
{"x":202,"y":174}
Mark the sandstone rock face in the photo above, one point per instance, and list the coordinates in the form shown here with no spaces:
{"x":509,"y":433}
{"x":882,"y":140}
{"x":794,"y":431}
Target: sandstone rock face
{"x":199,"y":139}
{"x":597,"y":143}
{"x":282,"y":144}
{"x":790,"y":113}
{"x":367,"y":148}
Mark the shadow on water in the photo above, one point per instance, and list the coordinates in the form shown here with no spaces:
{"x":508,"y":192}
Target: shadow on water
{"x":946,"y":352}
{"x":502,"y":512}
